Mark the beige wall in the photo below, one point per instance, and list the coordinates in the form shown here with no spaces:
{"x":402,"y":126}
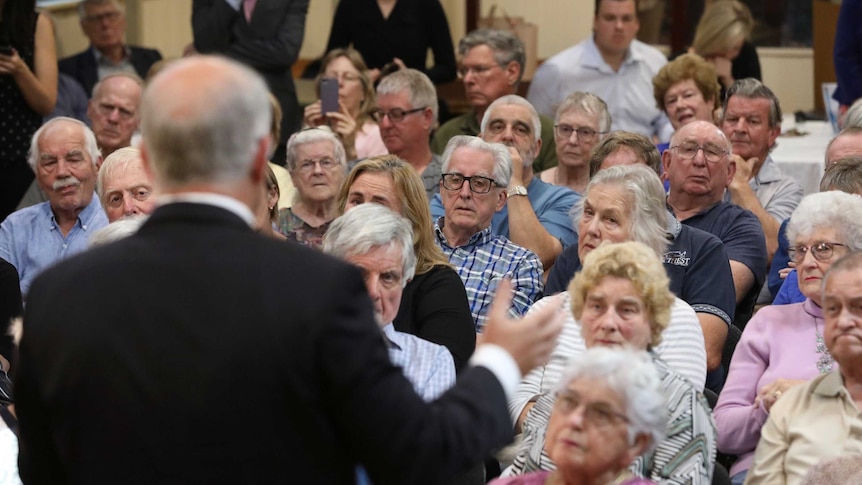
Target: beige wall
{"x":166,"y":25}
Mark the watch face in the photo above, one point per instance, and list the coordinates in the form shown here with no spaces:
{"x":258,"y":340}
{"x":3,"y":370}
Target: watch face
{"x":518,"y":190}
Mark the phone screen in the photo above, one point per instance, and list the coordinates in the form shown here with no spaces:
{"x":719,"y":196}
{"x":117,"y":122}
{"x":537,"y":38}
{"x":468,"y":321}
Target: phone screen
{"x":329,"y":95}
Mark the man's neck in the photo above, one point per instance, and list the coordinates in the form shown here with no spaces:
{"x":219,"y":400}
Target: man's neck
{"x":66,"y":219}
{"x":615,"y":60}
{"x":454,"y":237}
{"x":685,"y":206}
{"x":114,"y":53}
{"x":418,"y":155}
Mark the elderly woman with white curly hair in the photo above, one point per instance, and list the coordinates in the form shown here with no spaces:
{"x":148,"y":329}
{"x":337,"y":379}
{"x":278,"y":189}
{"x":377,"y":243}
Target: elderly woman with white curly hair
{"x":783,"y":345}
{"x":608,"y":409}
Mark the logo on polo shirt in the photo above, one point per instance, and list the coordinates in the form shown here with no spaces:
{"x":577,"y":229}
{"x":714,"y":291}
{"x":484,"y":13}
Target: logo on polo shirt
{"x":676,"y":258}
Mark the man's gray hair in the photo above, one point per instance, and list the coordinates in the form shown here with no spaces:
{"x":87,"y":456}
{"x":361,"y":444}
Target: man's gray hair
{"x":846,"y":131}
{"x":590,"y":105}
{"x":753,"y":89}
{"x":507,"y":46}
{"x":518,"y":101}
{"x":502,"y":159}
{"x":314,"y":135}
{"x":90,"y":144}
{"x":420,"y":90}
{"x":833,"y":210}
{"x":853,"y":117}
{"x":128,"y":75}
{"x":645,"y":192}
{"x":82,"y":7}
{"x":844,"y":175}
{"x":207,"y":134}
{"x":632,"y":376}
{"x":366,"y":227}
{"x":117,"y":161}
{"x":119,"y":229}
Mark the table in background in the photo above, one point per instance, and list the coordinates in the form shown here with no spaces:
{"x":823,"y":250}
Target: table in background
{"x":801,"y":157}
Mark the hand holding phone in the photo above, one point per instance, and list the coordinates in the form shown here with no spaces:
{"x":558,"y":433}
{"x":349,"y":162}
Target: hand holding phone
{"x":329,"y":95}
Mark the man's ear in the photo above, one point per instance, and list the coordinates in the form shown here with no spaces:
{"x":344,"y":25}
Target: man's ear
{"x":501,"y":200}
{"x":513,"y":72}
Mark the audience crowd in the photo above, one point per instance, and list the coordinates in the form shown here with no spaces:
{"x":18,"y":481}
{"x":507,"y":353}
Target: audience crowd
{"x":608,"y":281}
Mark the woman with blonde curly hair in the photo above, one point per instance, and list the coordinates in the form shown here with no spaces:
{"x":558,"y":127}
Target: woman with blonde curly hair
{"x":434,"y":303}
{"x":353,"y":123}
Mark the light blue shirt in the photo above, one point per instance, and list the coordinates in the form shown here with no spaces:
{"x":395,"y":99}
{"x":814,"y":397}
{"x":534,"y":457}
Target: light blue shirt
{"x":551,"y":203}
{"x":31,"y":240}
{"x":428,"y":366}
{"x":628,"y":92}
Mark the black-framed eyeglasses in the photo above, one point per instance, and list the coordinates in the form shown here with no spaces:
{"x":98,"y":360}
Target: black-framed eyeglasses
{"x":598,"y":414}
{"x":822,"y":251}
{"x":477,"y":183}
{"x":394,"y":114}
{"x":307,"y":166}
{"x":584,"y":133}
{"x":688,"y":150}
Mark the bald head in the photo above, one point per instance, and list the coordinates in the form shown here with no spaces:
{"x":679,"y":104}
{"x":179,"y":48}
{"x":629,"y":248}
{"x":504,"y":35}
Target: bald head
{"x":205,"y":119}
{"x":846,"y":144}
{"x":114,"y":111}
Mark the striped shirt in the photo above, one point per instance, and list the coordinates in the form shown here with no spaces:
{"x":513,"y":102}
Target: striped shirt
{"x":484,"y":261}
{"x":685,"y":456}
{"x":428,"y":366}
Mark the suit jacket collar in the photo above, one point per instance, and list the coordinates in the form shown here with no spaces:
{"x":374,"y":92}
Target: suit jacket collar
{"x":190,"y":214}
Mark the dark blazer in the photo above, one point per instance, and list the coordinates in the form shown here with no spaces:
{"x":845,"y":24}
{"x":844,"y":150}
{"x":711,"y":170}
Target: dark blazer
{"x":82,"y":66}
{"x":198,"y":351}
{"x":269,"y":43}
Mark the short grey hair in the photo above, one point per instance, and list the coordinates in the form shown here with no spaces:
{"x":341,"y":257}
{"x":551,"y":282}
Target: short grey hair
{"x":502,"y":159}
{"x":314,"y":135}
{"x":753,"y":89}
{"x":507,"y":46}
{"x":210,"y":134}
{"x":828,"y":210}
{"x":119,"y":229}
{"x":631,"y":375}
{"x":420,"y":90}
{"x":82,"y":6}
{"x":844,"y":175}
{"x":116,"y":161}
{"x":366,"y":227}
{"x":91,"y":146}
{"x":846,"y":131}
{"x":128,"y":75}
{"x":513,"y":99}
{"x":590,"y":105}
{"x":646,"y":194}
{"x":853,"y":117}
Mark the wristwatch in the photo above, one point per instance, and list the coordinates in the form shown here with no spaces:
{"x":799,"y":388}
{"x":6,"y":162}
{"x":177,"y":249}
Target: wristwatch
{"x":517,"y":190}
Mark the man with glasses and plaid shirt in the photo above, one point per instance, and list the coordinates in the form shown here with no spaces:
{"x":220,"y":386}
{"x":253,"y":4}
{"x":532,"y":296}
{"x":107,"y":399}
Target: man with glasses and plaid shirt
{"x":472,"y":189}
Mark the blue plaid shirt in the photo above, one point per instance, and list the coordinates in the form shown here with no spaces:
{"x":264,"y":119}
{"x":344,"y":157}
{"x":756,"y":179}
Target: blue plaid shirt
{"x":484,"y":261}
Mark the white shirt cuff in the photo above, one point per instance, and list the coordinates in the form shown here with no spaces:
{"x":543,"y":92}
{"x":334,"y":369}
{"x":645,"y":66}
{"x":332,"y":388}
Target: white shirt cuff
{"x":234,"y":4}
{"x":501,"y":363}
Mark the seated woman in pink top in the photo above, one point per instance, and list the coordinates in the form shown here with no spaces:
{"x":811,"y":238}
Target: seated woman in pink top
{"x":353,"y":123}
{"x":608,"y":409}
{"x":783,"y":345}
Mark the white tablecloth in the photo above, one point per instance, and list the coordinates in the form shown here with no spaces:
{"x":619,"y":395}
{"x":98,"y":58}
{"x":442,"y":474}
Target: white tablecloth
{"x":801,"y":157}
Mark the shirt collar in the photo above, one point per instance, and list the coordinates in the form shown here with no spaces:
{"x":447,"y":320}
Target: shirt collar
{"x":832,"y":385}
{"x":594,"y":59}
{"x":674,"y":227}
{"x":394,"y":339}
{"x":208,"y":198}
{"x":769,"y":172}
{"x":100,"y":58}
{"x":480,"y":237}
{"x":84,"y":217}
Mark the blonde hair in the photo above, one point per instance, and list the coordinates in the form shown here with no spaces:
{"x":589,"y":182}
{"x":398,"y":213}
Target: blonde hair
{"x":722,"y":24}
{"x":637,"y":263}
{"x":414,"y":205}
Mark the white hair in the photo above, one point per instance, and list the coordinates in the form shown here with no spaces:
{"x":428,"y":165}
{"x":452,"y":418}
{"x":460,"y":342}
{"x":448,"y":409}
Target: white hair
{"x":369,"y":226}
{"x":518,"y":101}
{"x":502,"y":159}
{"x":119,"y":229}
{"x":116,"y":161}
{"x":834,"y":209}
{"x":632,"y":376}
{"x":313,"y":135}
{"x":90,"y":144}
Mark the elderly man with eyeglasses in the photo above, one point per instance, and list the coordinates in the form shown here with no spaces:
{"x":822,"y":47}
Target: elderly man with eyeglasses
{"x":699,"y":168}
{"x":407,"y":114}
{"x":472,"y":189}
{"x":104,"y":24}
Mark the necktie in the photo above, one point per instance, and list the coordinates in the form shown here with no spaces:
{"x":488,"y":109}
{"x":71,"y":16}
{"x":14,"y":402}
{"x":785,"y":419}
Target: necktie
{"x":248,"y":8}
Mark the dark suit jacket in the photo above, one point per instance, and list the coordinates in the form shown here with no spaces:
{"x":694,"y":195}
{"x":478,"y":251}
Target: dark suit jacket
{"x":82,"y":66}
{"x":198,"y":351}
{"x":269,"y":44}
